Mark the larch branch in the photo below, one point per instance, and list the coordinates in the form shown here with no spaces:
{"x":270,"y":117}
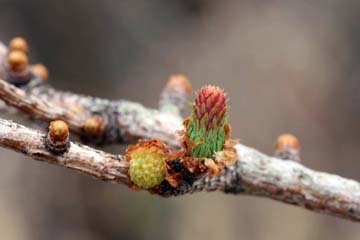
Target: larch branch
{"x":254,"y":174}
{"x":78,"y":157}
{"x":122,"y":121}
{"x":125,"y":121}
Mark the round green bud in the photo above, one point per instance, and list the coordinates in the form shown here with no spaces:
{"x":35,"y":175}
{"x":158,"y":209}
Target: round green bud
{"x":147,"y":168}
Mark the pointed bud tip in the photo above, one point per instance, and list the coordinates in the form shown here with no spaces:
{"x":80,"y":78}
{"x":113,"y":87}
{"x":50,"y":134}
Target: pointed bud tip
{"x":210,"y":106}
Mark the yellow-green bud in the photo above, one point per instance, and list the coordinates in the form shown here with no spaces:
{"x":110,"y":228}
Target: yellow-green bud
{"x":147,"y":168}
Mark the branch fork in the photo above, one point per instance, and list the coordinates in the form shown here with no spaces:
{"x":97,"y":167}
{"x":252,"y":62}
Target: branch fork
{"x":250,"y":172}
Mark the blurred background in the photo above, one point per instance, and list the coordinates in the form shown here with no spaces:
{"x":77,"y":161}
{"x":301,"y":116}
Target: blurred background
{"x":287,"y":66}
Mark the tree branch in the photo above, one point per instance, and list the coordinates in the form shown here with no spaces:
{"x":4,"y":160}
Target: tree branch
{"x":124,"y":121}
{"x":79,"y":157}
{"x":121,"y":120}
{"x":253,"y":174}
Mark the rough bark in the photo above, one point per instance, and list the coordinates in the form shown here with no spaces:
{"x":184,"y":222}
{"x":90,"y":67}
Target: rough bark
{"x":125,"y":121}
{"x":254,"y":174}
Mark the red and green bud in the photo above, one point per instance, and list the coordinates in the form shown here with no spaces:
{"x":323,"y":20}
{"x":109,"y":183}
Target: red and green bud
{"x":206,"y":127}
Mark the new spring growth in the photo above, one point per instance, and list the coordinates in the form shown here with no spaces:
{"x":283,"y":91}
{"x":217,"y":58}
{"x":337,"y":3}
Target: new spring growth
{"x":147,"y":168}
{"x":206,"y":126}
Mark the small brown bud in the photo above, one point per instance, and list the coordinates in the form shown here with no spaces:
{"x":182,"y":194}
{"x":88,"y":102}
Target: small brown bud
{"x":179,"y":82}
{"x":94,"y":126}
{"x":57,"y":140}
{"x":58,"y":131}
{"x":41,"y":71}
{"x":287,"y":147}
{"x":17,"y":61}
{"x":18,"y":43}
{"x":175,"y":93}
{"x":287,"y":141}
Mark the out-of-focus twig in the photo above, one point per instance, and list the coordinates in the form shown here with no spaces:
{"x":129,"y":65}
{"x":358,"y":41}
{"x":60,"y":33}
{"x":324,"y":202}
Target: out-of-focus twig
{"x":124,"y":121}
{"x":174,"y":97}
{"x":117,"y":121}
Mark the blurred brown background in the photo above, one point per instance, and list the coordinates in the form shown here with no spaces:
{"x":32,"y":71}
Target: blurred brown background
{"x":288,"y":66}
